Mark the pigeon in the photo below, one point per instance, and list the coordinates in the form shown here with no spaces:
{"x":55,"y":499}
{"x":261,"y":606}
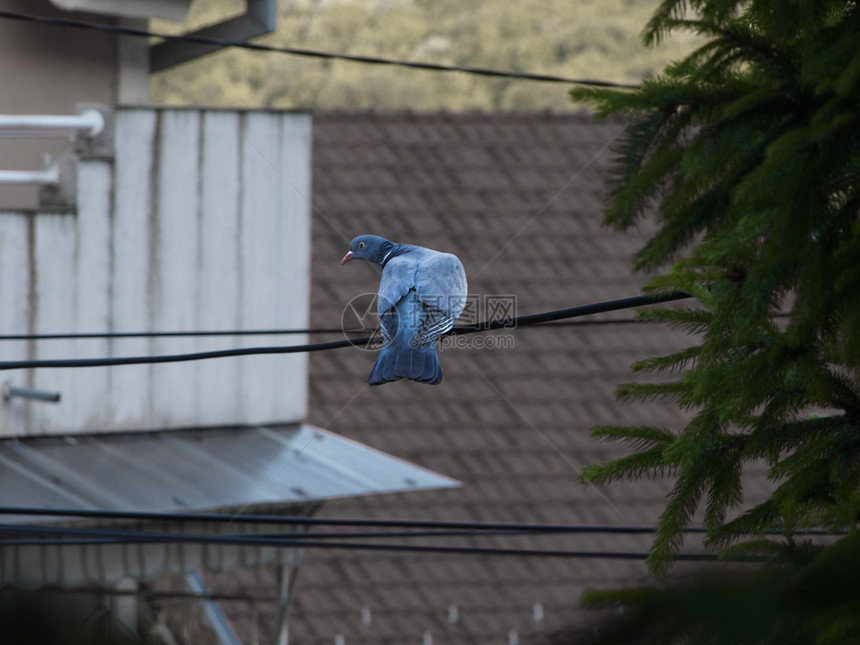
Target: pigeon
{"x":421,"y":294}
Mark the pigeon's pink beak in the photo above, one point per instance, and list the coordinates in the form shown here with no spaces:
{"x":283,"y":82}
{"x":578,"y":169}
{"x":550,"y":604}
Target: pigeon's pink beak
{"x":346,"y":258}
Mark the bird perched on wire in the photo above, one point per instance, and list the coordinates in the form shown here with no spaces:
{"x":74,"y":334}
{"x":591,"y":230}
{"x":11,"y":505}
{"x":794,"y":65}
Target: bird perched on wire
{"x":421,"y":294}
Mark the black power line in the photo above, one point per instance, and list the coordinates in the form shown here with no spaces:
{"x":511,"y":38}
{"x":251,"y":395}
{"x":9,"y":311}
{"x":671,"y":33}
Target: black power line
{"x":154,"y":516}
{"x":309,"y":53}
{"x":183,"y":334}
{"x":444,"y":550}
{"x":297,"y":520}
{"x":272,"y":332}
{"x":177,"y":358}
{"x":571,"y":312}
{"x":502,"y":323}
{"x":65,"y":536}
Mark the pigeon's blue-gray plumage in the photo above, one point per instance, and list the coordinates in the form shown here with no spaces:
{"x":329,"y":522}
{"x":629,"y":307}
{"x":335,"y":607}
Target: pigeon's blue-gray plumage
{"x":421,"y":294}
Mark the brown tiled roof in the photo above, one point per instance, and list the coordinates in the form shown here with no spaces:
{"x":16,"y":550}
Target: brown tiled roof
{"x":511,"y":423}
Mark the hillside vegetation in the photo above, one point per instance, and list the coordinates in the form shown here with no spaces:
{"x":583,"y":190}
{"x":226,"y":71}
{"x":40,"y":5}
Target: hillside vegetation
{"x":596,"y":39}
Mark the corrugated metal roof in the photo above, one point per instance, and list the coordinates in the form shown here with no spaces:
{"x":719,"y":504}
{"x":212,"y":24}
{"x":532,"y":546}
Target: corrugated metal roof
{"x":200,"y":469}
{"x":251,"y":468}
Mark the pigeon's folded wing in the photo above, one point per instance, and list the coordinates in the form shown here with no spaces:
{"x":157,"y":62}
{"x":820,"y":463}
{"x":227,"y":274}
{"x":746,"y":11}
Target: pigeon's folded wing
{"x":440,"y":284}
{"x":398,"y":278}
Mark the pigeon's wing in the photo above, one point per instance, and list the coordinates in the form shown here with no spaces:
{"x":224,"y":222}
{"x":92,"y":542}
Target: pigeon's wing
{"x":440,"y":284}
{"x":398,"y":277}
{"x":434,"y":323}
{"x":388,"y":326}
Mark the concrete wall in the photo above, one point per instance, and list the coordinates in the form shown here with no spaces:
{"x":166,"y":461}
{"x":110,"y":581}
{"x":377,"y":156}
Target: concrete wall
{"x":200,"y":221}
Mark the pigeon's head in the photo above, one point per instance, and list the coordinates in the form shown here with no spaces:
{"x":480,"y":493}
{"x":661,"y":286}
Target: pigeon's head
{"x":371,"y":248}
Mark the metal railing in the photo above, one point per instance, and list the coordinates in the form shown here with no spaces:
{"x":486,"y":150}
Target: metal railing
{"x":90,"y":123}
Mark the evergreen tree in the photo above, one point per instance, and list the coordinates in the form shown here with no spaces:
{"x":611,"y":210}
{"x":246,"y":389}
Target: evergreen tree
{"x":748,"y":154}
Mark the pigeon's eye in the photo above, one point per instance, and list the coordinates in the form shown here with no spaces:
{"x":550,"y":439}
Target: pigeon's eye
{"x":361,"y":245}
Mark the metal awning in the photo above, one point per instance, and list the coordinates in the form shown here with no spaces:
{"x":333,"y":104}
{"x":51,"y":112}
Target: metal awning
{"x":291,"y":468}
{"x":200,"y":469}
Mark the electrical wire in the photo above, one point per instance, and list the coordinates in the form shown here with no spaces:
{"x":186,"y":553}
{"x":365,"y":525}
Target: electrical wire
{"x":436,"y":525}
{"x":445,"y":550}
{"x":502,"y":323}
{"x":78,"y":537}
{"x":309,"y":53}
{"x":183,"y":334}
{"x":283,"y":332}
{"x":571,"y":312}
{"x":273,"y":332}
{"x":153,"y":516}
{"x":177,"y":358}
{"x":124,"y":534}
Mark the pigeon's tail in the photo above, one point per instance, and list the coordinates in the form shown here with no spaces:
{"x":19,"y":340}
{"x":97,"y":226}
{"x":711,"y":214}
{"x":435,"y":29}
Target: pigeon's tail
{"x":397,"y":361}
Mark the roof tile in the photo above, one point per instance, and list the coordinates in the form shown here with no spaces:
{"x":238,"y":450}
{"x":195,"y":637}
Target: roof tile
{"x":518,"y":197}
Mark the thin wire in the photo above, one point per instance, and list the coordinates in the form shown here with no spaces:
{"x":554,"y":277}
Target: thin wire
{"x":571,"y":312}
{"x":502,"y":323}
{"x":585,"y":323}
{"x":275,"y":332}
{"x":479,"y":551}
{"x":169,"y":334}
{"x":177,"y":358}
{"x":564,"y":457}
{"x":85,"y":536}
{"x":113,"y":534}
{"x":284,"y":332}
{"x":373,"y":535}
{"x":310,"y":53}
{"x":261,"y":519}
{"x":552,"y":199}
{"x":154,"y":516}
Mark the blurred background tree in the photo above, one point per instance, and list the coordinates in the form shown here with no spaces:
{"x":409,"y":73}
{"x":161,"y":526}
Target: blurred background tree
{"x":576,"y":38}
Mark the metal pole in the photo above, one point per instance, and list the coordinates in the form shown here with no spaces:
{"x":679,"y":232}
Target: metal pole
{"x":30,"y":393}
{"x":90,"y":121}
{"x":284,"y":587}
{"x":49,"y":176}
{"x":289,"y":574}
{"x":219,"y":621}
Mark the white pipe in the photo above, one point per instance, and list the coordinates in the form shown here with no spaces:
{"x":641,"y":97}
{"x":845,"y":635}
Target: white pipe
{"x":90,"y":120}
{"x":49,"y":176}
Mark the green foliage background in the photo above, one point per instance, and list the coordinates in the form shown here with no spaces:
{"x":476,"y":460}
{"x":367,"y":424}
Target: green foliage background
{"x":747,"y":154}
{"x":749,"y":151}
{"x":598,"y":39}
